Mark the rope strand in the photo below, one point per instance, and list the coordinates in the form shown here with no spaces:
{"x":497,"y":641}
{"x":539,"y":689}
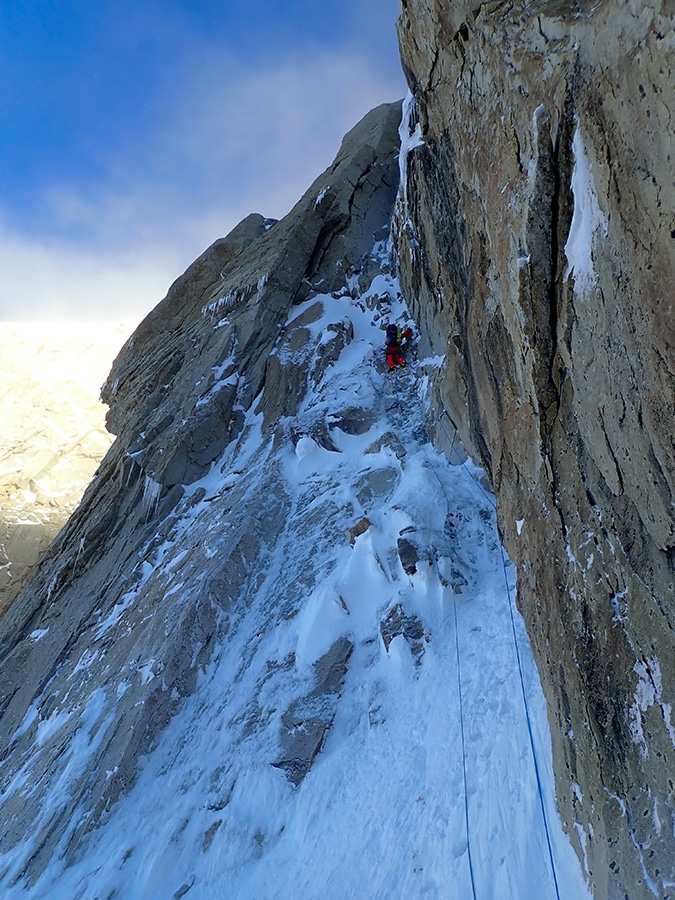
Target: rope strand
{"x":518,"y":659}
{"x":461,"y":728}
{"x":463,"y":464}
{"x":461,"y":707}
{"x":529,"y":729}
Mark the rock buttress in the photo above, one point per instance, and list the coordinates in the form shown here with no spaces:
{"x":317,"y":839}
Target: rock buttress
{"x":537,"y":248}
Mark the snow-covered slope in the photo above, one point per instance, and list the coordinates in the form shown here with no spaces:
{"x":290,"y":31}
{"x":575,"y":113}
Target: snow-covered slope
{"x":359,"y":728}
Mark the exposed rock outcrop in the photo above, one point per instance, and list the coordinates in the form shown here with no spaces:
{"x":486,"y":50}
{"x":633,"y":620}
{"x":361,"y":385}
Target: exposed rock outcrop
{"x":244,"y":284}
{"x":307,"y":722}
{"x":536,"y":242}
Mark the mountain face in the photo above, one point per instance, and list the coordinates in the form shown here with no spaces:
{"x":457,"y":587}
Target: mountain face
{"x":536,"y":251}
{"x":53,"y":434}
{"x":275,"y":653}
{"x":213,"y":353}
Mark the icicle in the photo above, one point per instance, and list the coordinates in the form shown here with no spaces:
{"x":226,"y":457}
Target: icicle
{"x":587,"y":220}
{"x":151,"y":492}
{"x":79,"y":551}
{"x":410,"y":138}
{"x":233,"y":298}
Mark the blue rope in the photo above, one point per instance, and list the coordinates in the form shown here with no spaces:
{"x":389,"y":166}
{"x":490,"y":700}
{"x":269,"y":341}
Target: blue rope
{"x":529,"y":728}
{"x":461,"y":707}
{"x":461,"y":728}
{"x":462,"y":462}
{"x":518,"y":658}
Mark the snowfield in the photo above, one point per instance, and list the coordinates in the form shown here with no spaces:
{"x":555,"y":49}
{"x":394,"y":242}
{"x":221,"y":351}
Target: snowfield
{"x":424,"y":784}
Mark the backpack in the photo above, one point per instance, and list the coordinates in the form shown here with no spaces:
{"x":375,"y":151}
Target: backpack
{"x":391,"y":335}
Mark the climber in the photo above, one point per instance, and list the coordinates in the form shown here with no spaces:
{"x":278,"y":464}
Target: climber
{"x":395,"y":340}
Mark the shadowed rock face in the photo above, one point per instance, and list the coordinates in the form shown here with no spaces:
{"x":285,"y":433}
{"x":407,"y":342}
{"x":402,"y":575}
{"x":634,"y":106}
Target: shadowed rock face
{"x":537,"y":249}
{"x":100,"y":613}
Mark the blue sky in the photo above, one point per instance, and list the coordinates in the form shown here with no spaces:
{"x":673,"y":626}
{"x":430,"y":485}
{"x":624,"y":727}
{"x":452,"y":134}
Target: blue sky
{"x":133,"y":135}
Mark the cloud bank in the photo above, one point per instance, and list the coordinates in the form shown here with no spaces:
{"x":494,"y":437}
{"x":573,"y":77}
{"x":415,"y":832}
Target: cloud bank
{"x":233,"y":140}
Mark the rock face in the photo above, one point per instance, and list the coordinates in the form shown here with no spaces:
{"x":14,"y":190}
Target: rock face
{"x":537,"y":248}
{"x":535,"y":230}
{"x":244,"y":285}
{"x":139,"y":590}
{"x":53,"y":433}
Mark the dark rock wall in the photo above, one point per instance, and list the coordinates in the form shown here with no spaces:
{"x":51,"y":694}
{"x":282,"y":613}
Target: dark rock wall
{"x":562,"y":383}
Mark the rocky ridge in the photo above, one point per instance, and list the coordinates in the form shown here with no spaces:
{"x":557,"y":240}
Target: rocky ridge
{"x":213,"y":365}
{"x":536,"y":250}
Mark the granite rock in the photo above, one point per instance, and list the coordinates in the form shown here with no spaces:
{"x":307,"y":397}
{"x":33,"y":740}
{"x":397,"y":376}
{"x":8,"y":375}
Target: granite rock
{"x":535,"y":234}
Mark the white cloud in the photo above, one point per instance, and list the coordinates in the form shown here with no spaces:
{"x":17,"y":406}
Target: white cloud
{"x":49,"y":281}
{"x":233,"y":141}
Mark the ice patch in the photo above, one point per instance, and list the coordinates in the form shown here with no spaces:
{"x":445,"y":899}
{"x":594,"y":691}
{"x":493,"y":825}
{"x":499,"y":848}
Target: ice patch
{"x":50,"y":726}
{"x":85,"y":661}
{"x":410,"y":139}
{"x":38,"y":634}
{"x":28,"y":719}
{"x":116,"y":614}
{"x":587,"y":221}
{"x":583,"y":841}
{"x":667,"y":719}
{"x":146,"y":672}
{"x":647,"y":693}
{"x":322,"y":193}
{"x":435,"y":362}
